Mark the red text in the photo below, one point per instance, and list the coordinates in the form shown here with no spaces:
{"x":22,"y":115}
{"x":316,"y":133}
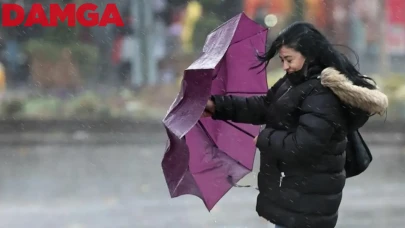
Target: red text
{"x":71,"y":13}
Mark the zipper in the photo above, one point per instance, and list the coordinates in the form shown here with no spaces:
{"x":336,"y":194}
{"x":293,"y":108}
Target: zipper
{"x":281,"y":178}
{"x":285,"y":92}
{"x":282,"y":174}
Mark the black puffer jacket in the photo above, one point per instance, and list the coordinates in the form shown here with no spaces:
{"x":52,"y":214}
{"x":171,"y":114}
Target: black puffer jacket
{"x":303,"y":146}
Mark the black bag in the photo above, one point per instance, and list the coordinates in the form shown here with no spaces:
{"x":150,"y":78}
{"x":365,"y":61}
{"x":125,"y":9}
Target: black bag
{"x":358,"y":155}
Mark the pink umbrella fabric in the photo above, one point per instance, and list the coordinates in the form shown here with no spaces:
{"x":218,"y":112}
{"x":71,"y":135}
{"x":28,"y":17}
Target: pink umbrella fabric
{"x":206,"y":157}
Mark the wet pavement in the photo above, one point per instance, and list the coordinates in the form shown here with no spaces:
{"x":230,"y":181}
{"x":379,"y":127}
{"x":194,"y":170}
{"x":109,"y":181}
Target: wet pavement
{"x":117,"y":185}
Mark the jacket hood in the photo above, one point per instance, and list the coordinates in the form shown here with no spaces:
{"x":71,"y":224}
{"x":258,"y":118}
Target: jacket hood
{"x":371,"y":101}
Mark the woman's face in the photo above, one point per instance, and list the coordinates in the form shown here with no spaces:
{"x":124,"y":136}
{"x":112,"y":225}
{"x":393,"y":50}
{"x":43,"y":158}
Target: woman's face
{"x":291,"y":59}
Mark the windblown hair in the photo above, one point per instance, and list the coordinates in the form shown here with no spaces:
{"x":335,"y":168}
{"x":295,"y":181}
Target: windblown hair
{"x":315,"y":47}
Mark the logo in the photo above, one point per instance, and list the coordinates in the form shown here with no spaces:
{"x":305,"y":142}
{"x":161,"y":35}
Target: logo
{"x":83,"y":14}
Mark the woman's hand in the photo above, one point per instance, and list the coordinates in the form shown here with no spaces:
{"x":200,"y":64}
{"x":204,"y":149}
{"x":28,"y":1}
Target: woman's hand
{"x":209,"y":109}
{"x":255,"y":140}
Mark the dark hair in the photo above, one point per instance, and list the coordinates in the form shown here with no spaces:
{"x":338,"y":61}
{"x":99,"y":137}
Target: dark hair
{"x":315,"y":47}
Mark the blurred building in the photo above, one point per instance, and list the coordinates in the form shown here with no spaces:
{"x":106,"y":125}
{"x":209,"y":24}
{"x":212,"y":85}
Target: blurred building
{"x":375,"y":29}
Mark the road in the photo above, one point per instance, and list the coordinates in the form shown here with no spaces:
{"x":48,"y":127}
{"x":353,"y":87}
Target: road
{"x":120,"y":185}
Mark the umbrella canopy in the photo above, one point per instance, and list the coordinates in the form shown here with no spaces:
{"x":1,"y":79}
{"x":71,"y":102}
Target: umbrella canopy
{"x":205,"y":157}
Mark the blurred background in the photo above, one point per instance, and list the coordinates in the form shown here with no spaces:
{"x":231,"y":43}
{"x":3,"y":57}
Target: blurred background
{"x":81,"y":110}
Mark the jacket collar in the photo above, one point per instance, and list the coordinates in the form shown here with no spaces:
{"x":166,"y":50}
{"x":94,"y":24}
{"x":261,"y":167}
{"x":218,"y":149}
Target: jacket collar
{"x":369,"y":100}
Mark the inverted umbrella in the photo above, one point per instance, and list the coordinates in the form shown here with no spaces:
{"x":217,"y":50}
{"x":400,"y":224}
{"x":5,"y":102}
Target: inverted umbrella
{"x":205,"y":157}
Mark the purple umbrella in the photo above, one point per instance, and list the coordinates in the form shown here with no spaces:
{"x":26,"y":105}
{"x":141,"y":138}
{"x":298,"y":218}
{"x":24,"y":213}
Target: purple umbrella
{"x":205,"y":157}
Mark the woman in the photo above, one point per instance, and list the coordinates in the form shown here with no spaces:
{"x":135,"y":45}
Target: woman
{"x":308,"y":114}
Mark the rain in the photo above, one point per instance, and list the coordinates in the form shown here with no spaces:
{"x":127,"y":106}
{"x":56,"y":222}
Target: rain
{"x":85,"y":113}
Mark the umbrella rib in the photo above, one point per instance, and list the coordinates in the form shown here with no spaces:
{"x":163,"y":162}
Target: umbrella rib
{"x":206,"y":132}
{"x":219,"y":70}
{"x":229,"y":178}
{"x":240,"y":129}
{"x":231,"y":124}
